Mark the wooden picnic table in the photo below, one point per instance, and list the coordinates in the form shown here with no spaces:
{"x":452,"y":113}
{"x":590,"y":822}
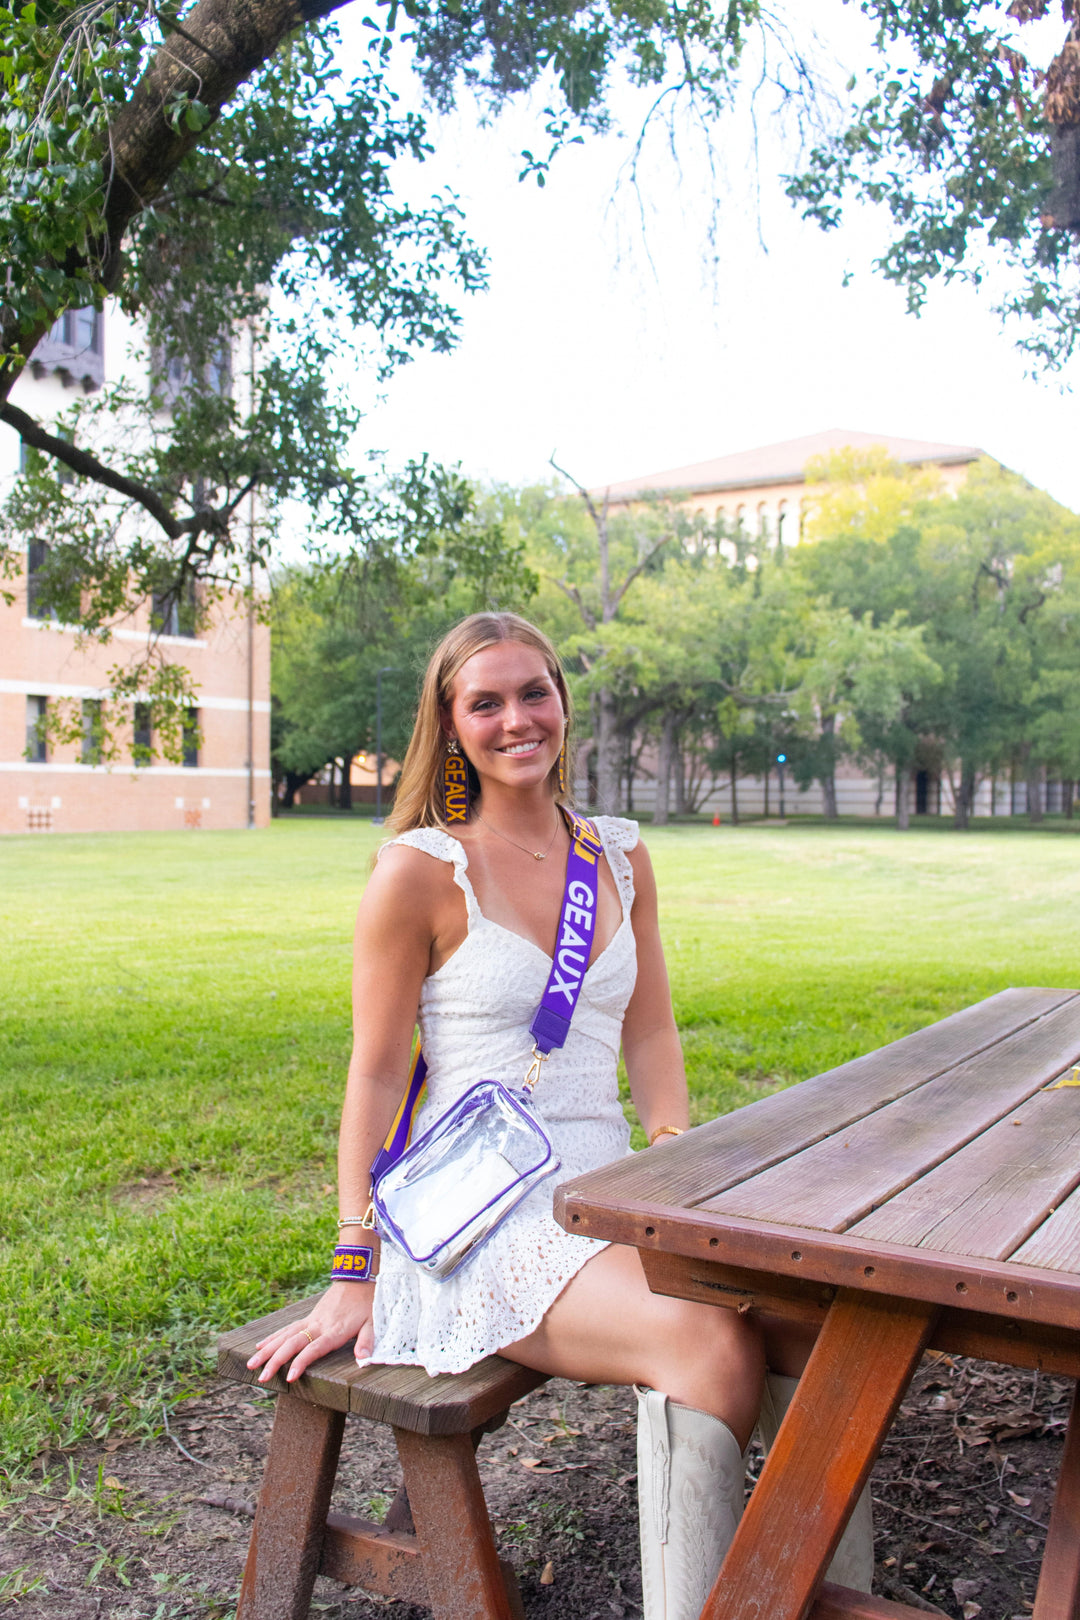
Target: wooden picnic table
{"x":926,"y":1195}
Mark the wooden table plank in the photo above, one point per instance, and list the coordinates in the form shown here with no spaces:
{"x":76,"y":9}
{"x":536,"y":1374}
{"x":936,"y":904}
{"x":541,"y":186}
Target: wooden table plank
{"x":727,"y":1150}
{"x":1056,"y":1243}
{"x":995,"y":1192}
{"x":842,"y":1178}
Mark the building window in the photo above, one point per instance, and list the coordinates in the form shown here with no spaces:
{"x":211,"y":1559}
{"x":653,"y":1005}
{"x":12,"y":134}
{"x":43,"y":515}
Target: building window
{"x":36,"y":747}
{"x":172,"y":374}
{"x":218,"y":371}
{"x":173,"y":610}
{"x":34,"y":461}
{"x":783,"y":525}
{"x":191,"y":738}
{"x":142,"y":739}
{"x":37,"y":554}
{"x":80,"y":329}
{"x":91,"y":731}
{"x":84,"y":329}
{"x":73,"y":350}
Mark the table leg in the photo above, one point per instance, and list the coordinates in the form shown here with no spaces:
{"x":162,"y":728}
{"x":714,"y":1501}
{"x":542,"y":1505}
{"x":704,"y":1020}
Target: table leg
{"x":1058,"y":1597}
{"x":857,"y":1374}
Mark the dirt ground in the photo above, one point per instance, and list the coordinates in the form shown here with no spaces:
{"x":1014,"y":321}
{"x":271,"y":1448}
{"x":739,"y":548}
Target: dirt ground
{"x":962,"y":1490}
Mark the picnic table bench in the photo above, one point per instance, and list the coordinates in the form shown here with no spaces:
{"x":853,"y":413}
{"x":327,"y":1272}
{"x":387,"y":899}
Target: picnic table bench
{"x":435,"y":1546}
{"x":924,"y":1195}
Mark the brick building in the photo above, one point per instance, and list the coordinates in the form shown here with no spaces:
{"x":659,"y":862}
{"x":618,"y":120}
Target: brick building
{"x":224,"y":780}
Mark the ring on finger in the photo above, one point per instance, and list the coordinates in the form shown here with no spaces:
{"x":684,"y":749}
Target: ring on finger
{"x":308,"y":1336}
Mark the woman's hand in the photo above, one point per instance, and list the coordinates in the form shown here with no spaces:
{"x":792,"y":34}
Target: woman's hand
{"x":343,"y":1314}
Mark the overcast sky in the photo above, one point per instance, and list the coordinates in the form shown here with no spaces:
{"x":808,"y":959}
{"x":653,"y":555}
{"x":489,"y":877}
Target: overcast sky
{"x":611,"y":338}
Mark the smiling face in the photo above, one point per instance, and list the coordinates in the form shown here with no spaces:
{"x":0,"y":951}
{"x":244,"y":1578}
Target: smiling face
{"x":507,"y":715}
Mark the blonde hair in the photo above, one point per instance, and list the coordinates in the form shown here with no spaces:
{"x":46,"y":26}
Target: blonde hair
{"x":418,"y":801}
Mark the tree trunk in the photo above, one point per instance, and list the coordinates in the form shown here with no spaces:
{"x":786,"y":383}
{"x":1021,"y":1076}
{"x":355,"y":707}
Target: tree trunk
{"x":903,"y":798}
{"x":607,"y":753}
{"x":828,"y":797}
{"x":965,"y":797}
{"x":828,"y":776}
{"x":582,"y":762}
{"x":1033,"y":775}
{"x":222,"y":44}
{"x":1068,"y":791}
{"x":293,"y":784}
{"x":345,"y":792}
{"x":665,"y":755}
{"x":768,"y":773}
{"x":679,"y":783}
{"x":734,"y":788}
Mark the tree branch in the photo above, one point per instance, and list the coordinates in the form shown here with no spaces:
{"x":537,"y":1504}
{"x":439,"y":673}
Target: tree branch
{"x":582,"y":491}
{"x":575,"y":596}
{"x":173,"y":27}
{"x":637,"y":569}
{"x":88,"y":466}
{"x":212,"y":520}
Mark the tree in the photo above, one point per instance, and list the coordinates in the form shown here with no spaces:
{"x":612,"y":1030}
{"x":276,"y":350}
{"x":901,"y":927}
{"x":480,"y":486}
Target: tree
{"x":337,"y":623}
{"x":591,"y":563}
{"x":216,"y":168}
{"x":213,"y":223}
{"x":974,"y":153}
{"x":990,"y":577}
{"x":218,"y":174}
{"x":858,"y":684}
{"x":179,"y":164}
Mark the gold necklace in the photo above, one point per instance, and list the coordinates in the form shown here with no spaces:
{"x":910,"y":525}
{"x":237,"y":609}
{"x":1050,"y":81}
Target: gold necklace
{"x":537,"y":854}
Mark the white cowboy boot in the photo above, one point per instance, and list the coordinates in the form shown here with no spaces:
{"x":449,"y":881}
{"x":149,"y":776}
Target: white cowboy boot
{"x":690,"y":1501}
{"x":853,"y":1561}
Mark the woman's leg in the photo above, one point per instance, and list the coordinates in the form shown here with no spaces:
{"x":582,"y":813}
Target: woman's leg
{"x":607,"y":1327}
{"x":698,"y":1372}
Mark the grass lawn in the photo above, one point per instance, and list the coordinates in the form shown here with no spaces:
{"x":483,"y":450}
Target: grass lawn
{"x":174,"y":1029}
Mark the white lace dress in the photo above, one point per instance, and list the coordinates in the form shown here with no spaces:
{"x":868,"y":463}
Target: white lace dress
{"x":474,"y":1021}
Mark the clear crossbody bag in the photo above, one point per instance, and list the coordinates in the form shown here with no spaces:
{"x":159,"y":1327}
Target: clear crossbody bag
{"x":440,"y":1199}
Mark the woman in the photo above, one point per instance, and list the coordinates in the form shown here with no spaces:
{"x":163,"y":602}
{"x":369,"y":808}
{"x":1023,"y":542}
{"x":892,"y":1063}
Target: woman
{"x":457,"y":930}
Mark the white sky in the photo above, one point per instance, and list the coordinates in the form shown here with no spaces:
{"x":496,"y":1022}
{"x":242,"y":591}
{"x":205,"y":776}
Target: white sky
{"x":621,"y":350}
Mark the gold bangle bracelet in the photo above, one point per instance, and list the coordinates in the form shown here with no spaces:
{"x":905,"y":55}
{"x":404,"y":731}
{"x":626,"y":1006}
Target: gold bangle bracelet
{"x":664,"y":1130}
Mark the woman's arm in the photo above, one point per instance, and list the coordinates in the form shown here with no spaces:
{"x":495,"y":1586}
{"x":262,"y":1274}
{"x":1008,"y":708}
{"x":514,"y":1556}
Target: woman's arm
{"x":402,"y":907}
{"x":654,"y":1060}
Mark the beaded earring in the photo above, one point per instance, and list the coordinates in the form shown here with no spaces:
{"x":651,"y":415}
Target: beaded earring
{"x":455,"y":784}
{"x":562,"y":768}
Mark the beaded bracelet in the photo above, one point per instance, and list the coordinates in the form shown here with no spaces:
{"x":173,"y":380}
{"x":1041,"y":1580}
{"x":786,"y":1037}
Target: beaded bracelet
{"x":665,"y":1130}
{"x":354,"y":1263}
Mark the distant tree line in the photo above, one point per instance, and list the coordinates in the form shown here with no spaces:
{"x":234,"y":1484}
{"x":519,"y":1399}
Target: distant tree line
{"x":910,"y":629}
